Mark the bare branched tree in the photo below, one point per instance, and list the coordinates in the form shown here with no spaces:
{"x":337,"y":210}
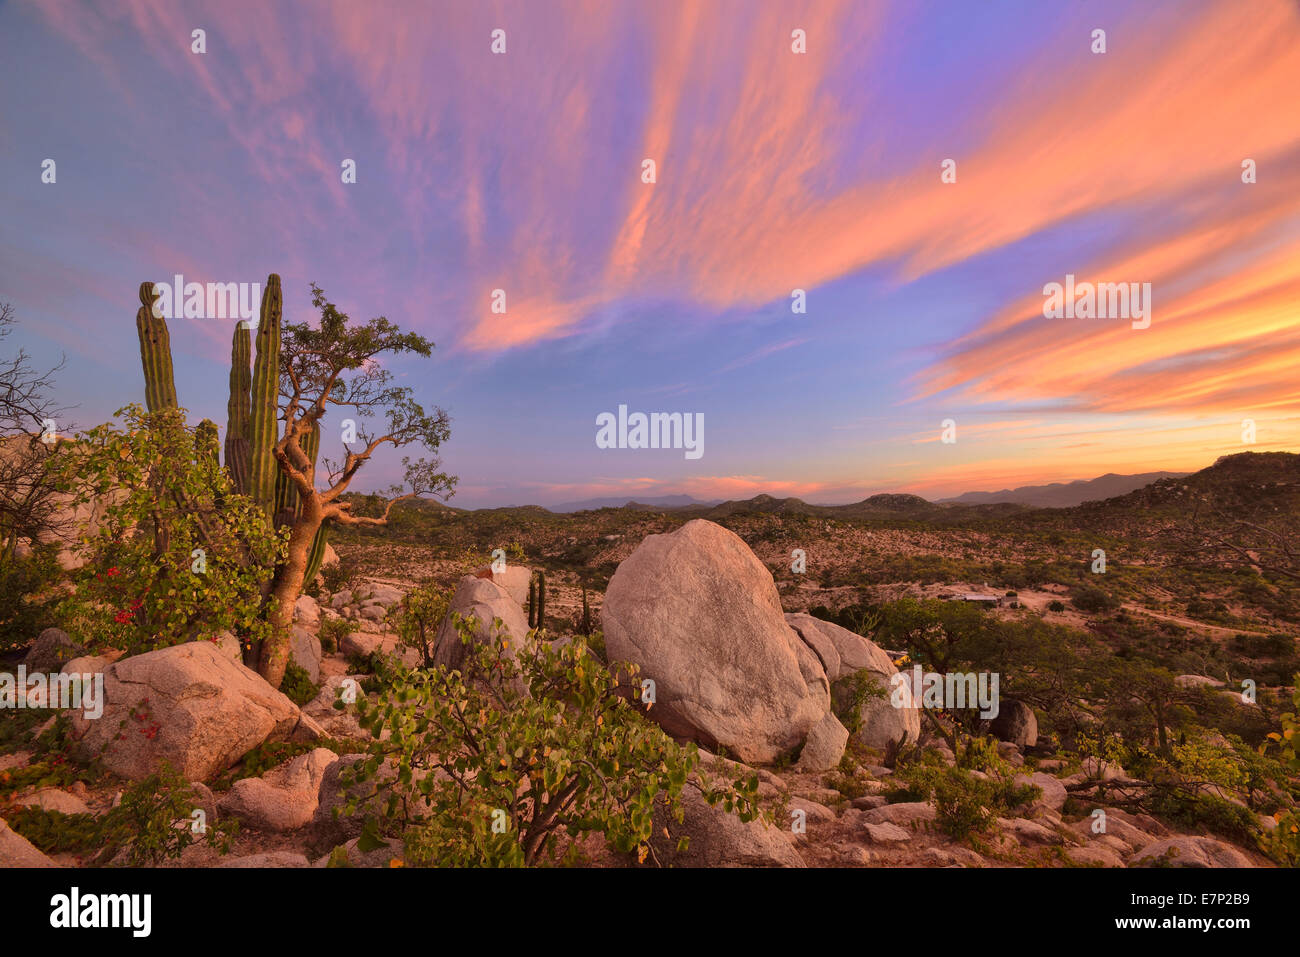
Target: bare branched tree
{"x":336,"y":365}
{"x":30,"y":505}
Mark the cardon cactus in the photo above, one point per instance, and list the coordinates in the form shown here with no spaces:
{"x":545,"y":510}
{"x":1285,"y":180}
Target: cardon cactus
{"x":264,"y":419}
{"x":286,"y":493}
{"x":316,"y":555}
{"x":155,"y":353}
{"x":252,"y":409}
{"x":287,"y":504}
{"x":237,"y":407}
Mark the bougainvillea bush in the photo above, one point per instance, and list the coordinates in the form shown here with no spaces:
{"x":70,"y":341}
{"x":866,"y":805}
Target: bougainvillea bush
{"x":175,"y":554}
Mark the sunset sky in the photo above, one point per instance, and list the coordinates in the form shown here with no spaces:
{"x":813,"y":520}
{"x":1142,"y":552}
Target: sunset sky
{"x":775,"y":171}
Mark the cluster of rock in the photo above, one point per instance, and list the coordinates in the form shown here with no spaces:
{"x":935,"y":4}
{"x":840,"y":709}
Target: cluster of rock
{"x":700,"y":615}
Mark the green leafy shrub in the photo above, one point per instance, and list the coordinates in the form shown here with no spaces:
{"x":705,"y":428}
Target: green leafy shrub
{"x":1056,"y":606}
{"x":52,"y":764}
{"x":153,"y":822}
{"x":1093,"y":600}
{"x":27,"y":595}
{"x":1193,"y":811}
{"x":178,"y":555}
{"x":850,"y":693}
{"x":418,"y":616}
{"x":332,"y":631}
{"x":338,"y":576}
{"x":1283,"y":842}
{"x":596,"y":644}
{"x":498,"y":760}
{"x":1264,"y":646}
{"x":54,"y":832}
{"x":966,"y":804}
{"x":981,"y":754}
{"x":297,"y":684}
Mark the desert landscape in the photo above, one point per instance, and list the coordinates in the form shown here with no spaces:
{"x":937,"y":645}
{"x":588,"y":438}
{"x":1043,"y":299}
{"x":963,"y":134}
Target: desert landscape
{"x":851,"y":444}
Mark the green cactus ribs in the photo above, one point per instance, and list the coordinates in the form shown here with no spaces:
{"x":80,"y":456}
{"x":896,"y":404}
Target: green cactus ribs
{"x":252,"y":410}
{"x":155,"y":352}
{"x":264,"y":399}
{"x":238,"y":407}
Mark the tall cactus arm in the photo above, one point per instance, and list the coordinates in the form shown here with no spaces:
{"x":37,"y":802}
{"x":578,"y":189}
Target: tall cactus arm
{"x":316,"y":555}
{"x":264,"y":419}
{"x":155,"y":354}
{"x":286,"y":492}
{"x":238,"y":407}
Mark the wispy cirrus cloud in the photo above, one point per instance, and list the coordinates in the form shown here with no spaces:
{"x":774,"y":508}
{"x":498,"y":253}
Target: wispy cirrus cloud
{"x":775,"y":171}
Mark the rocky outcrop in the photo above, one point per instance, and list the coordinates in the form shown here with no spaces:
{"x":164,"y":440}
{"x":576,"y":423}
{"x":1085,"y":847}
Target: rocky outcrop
{"x":1054,"y":793}
{"x":906,"y":814}
{"x":824,"y":746}
{"x":277,"y":859}
{"x":1185,"y":850}
{"x":848,"y":658}
{"x":305,"y":652}
{"x":717,"y":838}
{"x":306,"y":611}
{"x":188,"y":705}
{"x":363,"y":644}
{"x":52,"y":799}
{"x":337,"y":722}
{"x":513,"y":578}
{"x":283,"y":798}
{"x":484,"y":600}
{"x":700,"y":615}
{"x":1015,"y":723}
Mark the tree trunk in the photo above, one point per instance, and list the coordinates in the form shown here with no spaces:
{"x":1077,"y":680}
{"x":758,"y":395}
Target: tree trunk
{"x":285,"y":591}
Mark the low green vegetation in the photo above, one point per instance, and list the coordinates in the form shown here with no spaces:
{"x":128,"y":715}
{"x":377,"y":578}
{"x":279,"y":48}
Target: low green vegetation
{"x":512,"y":757}
{"x":157,"y":818}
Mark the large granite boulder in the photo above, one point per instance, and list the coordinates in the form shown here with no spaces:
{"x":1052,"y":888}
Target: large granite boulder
{"x":305,"y":652}
{"x":283,"y":798}
{"x":189,"y":705}
{"x":486,"y":601}
{"x":718,"y":838}
{"x":513,"y":578}
{"x":700,"y":615}
{"x":1186,"y":850}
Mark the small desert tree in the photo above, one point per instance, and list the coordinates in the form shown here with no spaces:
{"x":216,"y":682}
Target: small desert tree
{"x":337,"y":365}
{"x":29,"y":503}
{"x":520,"y":752}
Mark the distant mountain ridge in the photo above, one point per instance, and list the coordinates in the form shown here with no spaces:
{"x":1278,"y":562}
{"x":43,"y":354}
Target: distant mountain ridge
{"x":1065,"y":494}
{"x":661,"y":501}
{"x":1241,"y":480}
{"x":1055,"y":495}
